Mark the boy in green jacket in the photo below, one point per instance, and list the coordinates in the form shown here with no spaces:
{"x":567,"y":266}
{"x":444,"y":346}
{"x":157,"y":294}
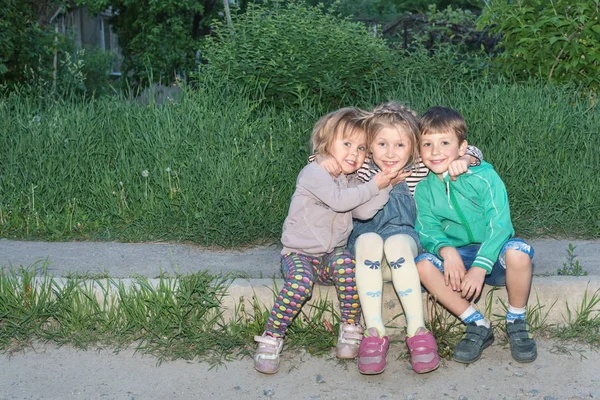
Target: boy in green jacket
{"x":465,"y":227}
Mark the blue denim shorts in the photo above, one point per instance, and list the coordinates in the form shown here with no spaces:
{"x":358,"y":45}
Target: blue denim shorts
{"x":469,"y":253}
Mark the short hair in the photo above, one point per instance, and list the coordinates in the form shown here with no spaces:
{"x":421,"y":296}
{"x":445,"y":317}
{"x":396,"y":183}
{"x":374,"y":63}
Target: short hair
{"x":392,"y":114}
{"x":346,"y":121}
{"x":443,"y":120}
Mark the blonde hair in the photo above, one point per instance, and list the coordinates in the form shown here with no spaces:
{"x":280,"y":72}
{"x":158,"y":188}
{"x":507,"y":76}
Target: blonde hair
{"x":443,"y":120}
{"x":346,"y":121}
{"x":394,"y":115}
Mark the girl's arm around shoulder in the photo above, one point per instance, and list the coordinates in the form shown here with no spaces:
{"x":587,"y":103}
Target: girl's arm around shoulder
{"x":371,"y":207}
{"x":334,"y":192}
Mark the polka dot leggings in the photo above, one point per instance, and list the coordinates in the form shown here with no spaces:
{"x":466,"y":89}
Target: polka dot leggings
{"x":301,"y":273}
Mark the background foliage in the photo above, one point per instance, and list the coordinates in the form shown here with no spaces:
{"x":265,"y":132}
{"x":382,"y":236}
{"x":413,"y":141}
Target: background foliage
{"x":26,"y":45}
{"x":219,"y":168}
{"x":554,"y":41}
{"x":292,"y":52}
{"x":157,"y":38}
{"x":217,"y":165}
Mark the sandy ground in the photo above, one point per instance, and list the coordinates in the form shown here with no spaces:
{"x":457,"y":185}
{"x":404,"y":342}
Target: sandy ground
{"x":65,"y":373}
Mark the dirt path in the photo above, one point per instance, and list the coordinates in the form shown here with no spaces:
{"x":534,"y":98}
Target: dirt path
{"x":65,"y":373}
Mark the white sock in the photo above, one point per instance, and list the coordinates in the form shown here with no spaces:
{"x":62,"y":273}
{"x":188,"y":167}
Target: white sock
{"x":514,"y":313}
{"x":472,"y":315}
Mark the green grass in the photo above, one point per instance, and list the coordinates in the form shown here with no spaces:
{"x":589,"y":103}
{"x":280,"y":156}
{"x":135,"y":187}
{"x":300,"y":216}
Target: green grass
{"x":572,"y":267}
{"x":182,"y":318}
{"x":219,"y":169}
{"x":582,"y":322}
{"x":175,"y":318}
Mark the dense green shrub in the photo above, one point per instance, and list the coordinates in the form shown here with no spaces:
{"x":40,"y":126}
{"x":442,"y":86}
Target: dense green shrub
{"x":26,"y":47}
{"x":554,"y":41}
{"x":156,"y":38}
{"x":294,"y":52}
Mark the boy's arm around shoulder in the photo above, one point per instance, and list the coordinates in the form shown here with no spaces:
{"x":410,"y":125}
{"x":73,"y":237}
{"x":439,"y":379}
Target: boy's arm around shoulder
{"x":314,"y":179}
{"x":499,"y":228}
{"x":427,"y":224}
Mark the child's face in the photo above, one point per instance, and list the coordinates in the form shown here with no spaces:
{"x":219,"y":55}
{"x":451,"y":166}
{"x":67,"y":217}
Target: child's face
{"x":391,"y":147}
{"x":350,"y":151}
{"x":438,"y":150}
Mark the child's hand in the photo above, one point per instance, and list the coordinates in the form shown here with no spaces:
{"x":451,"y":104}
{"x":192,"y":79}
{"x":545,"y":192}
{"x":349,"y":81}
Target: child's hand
{"x":385,"y":177}
{"x":473,"y":283}
{"x":329,"y":164}
{"x":402,"y":175}
{"x":454,"y":268}
{"x":459,"y":167}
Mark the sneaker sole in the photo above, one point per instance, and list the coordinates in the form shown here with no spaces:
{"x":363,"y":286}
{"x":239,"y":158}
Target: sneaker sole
{"x":341,"y":357}
{"x":483,"y":347}
{"x":524,"y":360}
{"x":371,"y":372}
{"x":424,"y":371}
{"x":267,"y":372}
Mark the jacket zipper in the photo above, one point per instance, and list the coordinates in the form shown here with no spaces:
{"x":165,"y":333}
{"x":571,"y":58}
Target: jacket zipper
{"x":461,"y":216}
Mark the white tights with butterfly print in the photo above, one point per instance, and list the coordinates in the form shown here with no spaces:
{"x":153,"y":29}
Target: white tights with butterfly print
{"x":393,"y":260}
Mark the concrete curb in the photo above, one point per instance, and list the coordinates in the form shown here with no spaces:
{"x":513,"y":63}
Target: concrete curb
{"x":553,"y":297}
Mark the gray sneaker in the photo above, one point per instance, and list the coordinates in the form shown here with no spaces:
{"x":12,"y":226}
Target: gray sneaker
{"x":471,"y":346}
{"x":522,"y":344}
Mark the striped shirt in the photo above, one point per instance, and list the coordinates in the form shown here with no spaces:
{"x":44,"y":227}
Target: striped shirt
{"x":420,"y":171}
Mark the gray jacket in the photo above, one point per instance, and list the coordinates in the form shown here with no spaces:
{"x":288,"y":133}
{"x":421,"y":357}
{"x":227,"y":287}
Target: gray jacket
{"x":322,"y":208}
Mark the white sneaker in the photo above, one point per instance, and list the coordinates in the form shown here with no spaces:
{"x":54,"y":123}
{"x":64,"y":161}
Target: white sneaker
{"x":266,"y":358}
{"x":349,"y":341}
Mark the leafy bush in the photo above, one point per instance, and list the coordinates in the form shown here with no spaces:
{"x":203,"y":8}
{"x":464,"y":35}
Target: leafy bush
{"x":554,"y":41}
{"x":294,"y":52}
{"x":448,"y":26}
{"x":156,"y":37}
{"x":25,"y":46}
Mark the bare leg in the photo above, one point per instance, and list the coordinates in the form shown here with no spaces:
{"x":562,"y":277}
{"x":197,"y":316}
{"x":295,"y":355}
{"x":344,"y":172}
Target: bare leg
{"x":433,"y":280}
{"x":518,"y":277}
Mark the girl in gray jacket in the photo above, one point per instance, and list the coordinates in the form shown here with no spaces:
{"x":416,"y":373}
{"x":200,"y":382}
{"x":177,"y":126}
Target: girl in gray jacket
{"x":316,"y":231}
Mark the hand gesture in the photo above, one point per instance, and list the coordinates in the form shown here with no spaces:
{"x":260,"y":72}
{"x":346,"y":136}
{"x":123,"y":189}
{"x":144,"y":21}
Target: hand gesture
{"x":459,"y":167}
{"x":473,"y":283}
{"x":384,"y":178}
{"x":402,"y":175}
{"x":329,"y":164}
{"x":454,"y":268}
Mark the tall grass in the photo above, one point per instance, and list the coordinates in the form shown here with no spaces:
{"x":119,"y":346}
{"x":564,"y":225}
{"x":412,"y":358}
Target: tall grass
{"x":219,"y":168}
{"x":541,"y":141}
{"x":215,"y":168}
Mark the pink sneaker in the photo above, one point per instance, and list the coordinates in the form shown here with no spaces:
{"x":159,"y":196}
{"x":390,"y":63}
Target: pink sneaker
{"x":373,"y":350}
{"x":423,"y":351}
{"x":266,"y":358}
{"x":348,"y":341}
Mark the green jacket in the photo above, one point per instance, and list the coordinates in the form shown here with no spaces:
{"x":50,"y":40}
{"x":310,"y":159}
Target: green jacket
{"x":471,"y":210}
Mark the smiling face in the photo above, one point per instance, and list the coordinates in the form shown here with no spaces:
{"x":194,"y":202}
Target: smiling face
{"x":438,"y":150}
{"x":349,"y":151}
{"x":391,"y":147}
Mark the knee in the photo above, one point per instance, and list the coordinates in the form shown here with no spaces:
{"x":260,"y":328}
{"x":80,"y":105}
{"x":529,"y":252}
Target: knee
{"x":403,"y":244}
{"x":368,"y":242}
{"x":369,"y":246}
{"x":425,"y":268}
{"x":517,"y":260}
